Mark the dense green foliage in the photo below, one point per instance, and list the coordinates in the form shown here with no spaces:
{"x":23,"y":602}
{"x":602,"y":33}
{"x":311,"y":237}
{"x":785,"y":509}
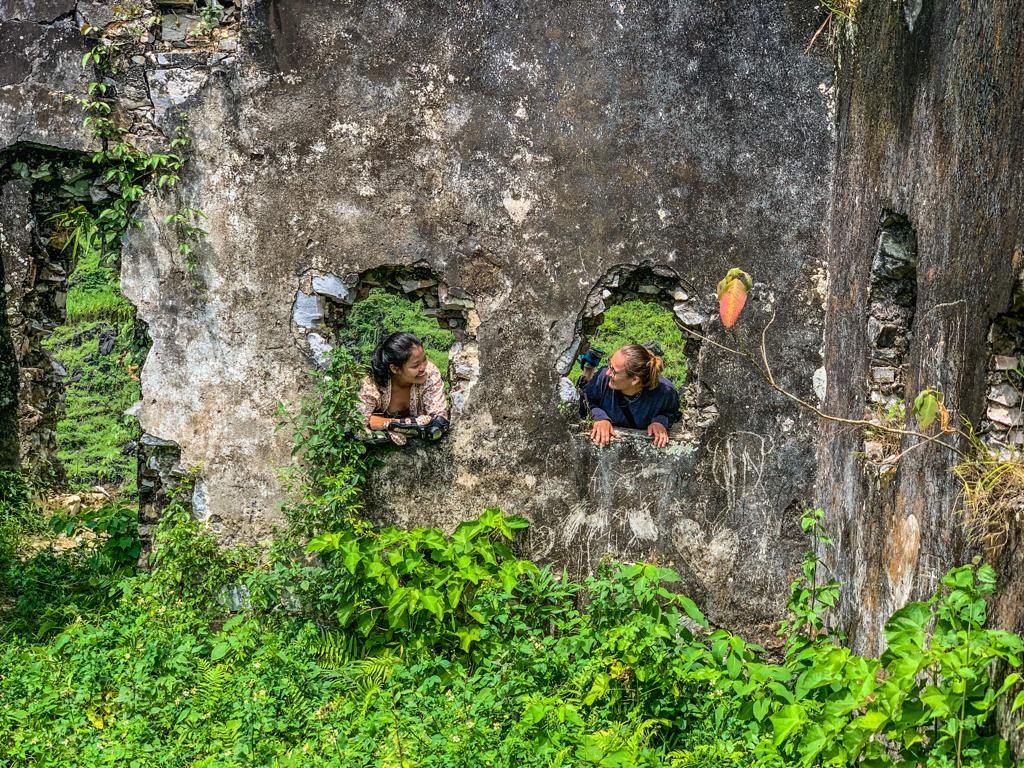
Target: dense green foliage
{"x":94,"y":436}
{"x":42,"y":592}
{"x":641,"y":322}
{"x":383,"y":647}
{"x":382,"y":313}
{"x":94,"y":292}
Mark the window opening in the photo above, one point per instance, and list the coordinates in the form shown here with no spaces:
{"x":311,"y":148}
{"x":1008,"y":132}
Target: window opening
{"x":651,"y":306}
{"x":360,"y":310}
{"x":78,"y":348}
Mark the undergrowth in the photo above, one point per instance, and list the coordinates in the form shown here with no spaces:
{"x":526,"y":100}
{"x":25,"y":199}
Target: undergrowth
{"x":992,"y":495}
{"x":349,"y":645}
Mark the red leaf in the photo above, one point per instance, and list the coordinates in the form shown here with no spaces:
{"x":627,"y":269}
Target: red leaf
{"x":731,"y":301}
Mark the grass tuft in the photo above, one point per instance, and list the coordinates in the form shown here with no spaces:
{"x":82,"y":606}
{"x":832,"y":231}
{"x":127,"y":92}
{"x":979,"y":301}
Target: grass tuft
{"x":992,"y":497}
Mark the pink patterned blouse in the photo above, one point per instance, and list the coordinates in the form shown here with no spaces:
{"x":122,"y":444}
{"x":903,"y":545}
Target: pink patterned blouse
{"x":425,"y":399}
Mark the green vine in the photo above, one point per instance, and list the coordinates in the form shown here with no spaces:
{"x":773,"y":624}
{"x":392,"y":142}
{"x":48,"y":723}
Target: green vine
{"x":126,"y":166}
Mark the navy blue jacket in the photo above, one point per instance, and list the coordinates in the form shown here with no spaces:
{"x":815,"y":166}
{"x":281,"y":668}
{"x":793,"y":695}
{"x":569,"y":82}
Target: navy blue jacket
{"x":660,"y":404}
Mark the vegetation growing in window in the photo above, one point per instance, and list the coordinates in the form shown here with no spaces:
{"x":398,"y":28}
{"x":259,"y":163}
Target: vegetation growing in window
{"x":642,"y":322}
{"x":94,"y":436}
{"x":382,"y":313}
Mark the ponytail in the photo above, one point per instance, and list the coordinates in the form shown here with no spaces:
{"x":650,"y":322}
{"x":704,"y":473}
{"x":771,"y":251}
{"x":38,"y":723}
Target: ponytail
{"x":654,"y":368}
{"x":644,"y":364}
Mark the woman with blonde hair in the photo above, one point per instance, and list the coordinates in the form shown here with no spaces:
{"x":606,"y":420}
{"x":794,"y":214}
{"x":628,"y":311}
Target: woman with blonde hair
{"x":631,"y":392}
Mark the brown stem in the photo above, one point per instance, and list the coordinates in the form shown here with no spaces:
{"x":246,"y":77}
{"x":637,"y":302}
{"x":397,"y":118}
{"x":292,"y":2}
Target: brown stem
{"x":766,"y":374}
{"x":820,"y":30}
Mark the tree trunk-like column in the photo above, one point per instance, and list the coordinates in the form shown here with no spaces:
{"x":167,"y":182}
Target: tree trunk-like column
{"x":928,"y":133}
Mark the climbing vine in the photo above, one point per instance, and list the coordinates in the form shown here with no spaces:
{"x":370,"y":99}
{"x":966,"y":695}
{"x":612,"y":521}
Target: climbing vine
{"x":126,"y":166}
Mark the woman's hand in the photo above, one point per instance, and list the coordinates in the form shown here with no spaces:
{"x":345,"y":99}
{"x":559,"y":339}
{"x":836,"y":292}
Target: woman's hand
{"x":658,"y":433}
{"x":377,"y":423}
{"x":601,"y":433}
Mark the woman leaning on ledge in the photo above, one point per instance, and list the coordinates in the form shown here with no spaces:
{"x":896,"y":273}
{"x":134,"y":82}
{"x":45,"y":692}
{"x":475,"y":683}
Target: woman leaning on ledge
{"x":402,"y":384}
{"x":631,"y":392}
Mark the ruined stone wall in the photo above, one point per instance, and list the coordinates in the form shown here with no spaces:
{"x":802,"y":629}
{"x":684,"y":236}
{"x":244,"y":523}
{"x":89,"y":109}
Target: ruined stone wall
{"x":928,"y":145}
{"x":523,"y":156}
{"x":520,"y":152}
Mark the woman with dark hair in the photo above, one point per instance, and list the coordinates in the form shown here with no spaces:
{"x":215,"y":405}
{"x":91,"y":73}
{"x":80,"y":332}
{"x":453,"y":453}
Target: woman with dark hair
{"x":631,"y":392}
{"x":403,"y":384}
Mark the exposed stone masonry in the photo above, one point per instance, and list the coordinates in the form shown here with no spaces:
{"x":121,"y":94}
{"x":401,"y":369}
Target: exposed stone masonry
{"x":890,"y":325}
{"x":893,"y":297}
{"x":1003,"y":423}
{"x":34,"y":286}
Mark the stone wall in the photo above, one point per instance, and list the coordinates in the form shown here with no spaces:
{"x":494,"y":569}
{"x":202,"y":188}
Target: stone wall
{"x":34,"y":283}
{"x":42,"y":51}
{"x":928,"y":130}
{"x":521,"y":153}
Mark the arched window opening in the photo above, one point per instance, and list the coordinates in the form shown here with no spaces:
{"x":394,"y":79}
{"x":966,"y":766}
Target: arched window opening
{"x":360,"y":310}
{"x":647,"y":305}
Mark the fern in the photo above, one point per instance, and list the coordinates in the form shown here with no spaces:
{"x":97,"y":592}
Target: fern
{"x":334,"y":650}
{"x":613,"y":746}
{"x":213,"y":681}
{"x":705,"y":756}
{"x":374,"y":670}
{"x":643,"y":733}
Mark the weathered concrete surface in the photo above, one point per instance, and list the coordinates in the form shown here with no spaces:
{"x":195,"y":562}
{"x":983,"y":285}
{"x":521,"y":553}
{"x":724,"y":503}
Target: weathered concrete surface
{"x":41,"y":64}
{"x":928,"y":128}
{"x":560,"y":140}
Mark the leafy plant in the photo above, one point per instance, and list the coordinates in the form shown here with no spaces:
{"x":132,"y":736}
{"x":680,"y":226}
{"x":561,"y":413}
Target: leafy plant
{"x":115,"y":523}
{"x":210,"y":16}
{"x":332,"y":462}
{"x":810,"y":597}
{"x":931,"y":695}
{"x":413,"y":585}
{"x":187,"y":221}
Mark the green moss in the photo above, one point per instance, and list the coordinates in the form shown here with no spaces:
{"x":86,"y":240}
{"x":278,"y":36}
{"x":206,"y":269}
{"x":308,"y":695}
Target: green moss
{"x":94,"y":292}
{"x":93,"y":431}
{"x":640,"y":322}
{"x":382,"y":313}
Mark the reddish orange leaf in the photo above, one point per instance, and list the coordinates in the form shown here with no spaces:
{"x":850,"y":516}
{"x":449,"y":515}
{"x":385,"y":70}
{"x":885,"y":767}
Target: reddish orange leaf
{"x":731,"y":301}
